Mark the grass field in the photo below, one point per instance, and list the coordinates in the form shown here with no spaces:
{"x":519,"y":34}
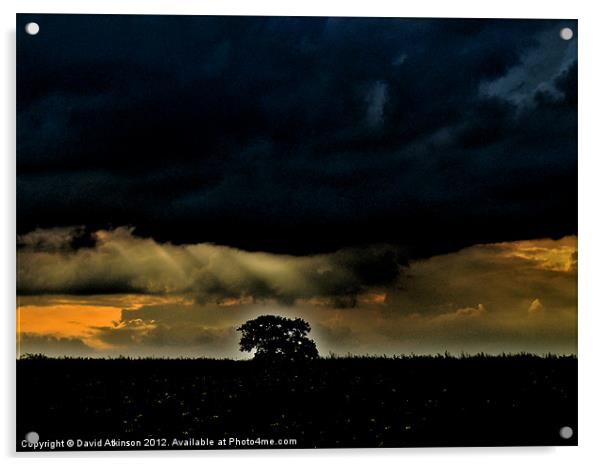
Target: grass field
{"x":330,"y":402}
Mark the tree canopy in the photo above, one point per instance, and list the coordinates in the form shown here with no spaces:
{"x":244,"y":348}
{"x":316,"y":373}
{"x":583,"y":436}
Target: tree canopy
{"x":276,"y":338}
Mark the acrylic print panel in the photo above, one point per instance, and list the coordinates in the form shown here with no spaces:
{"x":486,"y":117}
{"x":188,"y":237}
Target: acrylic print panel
{"x":277,"y":232}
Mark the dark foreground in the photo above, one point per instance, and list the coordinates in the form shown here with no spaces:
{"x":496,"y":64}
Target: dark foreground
{"x":346,"y":402}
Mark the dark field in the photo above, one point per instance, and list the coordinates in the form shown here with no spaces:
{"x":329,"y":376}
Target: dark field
{"x":336,"y":402}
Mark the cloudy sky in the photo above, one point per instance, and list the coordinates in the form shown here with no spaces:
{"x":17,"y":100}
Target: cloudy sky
{"x":405,"y":185}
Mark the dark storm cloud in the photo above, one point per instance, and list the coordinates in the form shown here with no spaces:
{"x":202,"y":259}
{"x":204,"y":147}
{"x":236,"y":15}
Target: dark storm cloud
{"x":298,"y":135}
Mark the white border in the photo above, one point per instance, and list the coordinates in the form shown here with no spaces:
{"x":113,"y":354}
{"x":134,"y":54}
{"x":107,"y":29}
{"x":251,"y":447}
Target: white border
{"x":590,"y":234}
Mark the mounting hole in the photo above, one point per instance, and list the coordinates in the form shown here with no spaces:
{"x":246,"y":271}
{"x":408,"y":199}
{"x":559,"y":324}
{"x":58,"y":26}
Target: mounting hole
{"x":566,"y":432}
{"x":566,"y":33}
{"x":32,"y":437}
{"x":32,"y":28}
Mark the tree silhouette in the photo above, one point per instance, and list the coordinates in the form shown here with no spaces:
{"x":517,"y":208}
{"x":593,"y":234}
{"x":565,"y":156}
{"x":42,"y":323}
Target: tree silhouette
{"x":278,"y":338}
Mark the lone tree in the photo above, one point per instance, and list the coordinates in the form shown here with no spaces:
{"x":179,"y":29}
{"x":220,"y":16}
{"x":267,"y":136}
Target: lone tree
{"x":277,"y":338}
